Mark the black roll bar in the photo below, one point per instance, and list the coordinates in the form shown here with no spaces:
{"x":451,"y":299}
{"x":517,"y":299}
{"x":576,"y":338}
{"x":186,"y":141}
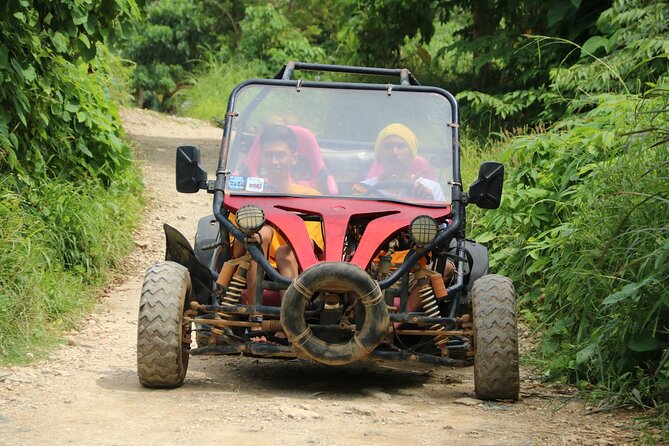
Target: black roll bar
{"x":406,"y":78}
{"x":454,"y":229}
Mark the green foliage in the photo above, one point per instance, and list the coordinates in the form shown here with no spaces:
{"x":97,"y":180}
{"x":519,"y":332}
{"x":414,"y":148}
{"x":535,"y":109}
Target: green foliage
{"x":584,"y":231}
{"x":630,"y":54}
{"x":267,"y":35}
{"x":120,"y":72}
{"x":58,"y":240}
{"x":207,"y":98}
{"x":68,"y":190}
{"x":179,"y":38}
{"x":380,"y":27}
{"x":171,"y":42}
{"x":501,"y":75}
{"x":491,"y":110}
{"x":55,"y":116}
{"x":268,"y":40}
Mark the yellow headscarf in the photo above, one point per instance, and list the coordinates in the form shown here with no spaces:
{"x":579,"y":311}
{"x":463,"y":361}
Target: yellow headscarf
{"x":400,"y":130}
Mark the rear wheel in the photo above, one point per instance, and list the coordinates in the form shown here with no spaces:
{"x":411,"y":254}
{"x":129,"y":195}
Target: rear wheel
{"x":496,"y":374}
{"x":163,"y":340}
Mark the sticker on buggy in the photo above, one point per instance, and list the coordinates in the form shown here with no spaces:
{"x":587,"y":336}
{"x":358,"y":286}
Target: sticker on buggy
{"x":255,"y":184}
{"x":236,"y":182}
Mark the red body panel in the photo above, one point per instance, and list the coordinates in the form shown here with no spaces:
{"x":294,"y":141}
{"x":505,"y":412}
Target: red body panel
{"x":387,"y":218}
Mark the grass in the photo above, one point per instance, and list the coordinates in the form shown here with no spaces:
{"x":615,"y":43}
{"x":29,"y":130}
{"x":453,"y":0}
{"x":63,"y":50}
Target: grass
{"x":57,"y":244}
{"x":208,"y":97}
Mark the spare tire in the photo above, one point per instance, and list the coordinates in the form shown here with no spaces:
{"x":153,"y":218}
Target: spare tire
{"x":337,"y":277}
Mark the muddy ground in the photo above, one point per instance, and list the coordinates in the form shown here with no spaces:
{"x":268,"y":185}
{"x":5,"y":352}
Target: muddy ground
{"x":86,"y":391}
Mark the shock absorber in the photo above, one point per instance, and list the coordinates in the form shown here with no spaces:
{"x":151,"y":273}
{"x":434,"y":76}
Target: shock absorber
{"x":431,"y":307}
{"x":233,"y":294}
{"x":233,"y":280}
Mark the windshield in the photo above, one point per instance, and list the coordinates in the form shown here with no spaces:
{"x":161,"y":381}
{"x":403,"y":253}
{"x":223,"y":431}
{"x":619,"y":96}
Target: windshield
{"x":362,"y":144}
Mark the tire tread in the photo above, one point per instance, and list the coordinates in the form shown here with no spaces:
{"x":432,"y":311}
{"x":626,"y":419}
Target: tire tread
{"x":162,"y":357}
{"x":496,"y":370}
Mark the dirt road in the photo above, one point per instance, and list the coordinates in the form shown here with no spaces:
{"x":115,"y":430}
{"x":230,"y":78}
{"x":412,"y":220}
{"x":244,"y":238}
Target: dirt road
{"x":87,"y":391}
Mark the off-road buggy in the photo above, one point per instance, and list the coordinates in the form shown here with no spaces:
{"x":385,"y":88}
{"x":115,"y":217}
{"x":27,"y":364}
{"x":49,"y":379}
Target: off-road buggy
{"x":352,"y":298}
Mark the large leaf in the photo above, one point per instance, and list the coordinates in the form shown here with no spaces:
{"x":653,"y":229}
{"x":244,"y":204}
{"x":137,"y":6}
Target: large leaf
{"x":585,"y":353}
{"x":558,"y":11}
{"x":643,"y":342}
{"x":593,"y":44}
{"x":3,"y":57}
{"x":627,"y":291}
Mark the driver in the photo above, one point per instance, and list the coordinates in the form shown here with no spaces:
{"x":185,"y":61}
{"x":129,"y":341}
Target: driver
{"x":278,"y":148}
{"x":395,"y":148}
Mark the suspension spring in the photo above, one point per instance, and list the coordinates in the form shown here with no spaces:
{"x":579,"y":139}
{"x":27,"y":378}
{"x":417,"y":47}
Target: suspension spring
{"x":431,"y":309}
{"x":233,"y":294}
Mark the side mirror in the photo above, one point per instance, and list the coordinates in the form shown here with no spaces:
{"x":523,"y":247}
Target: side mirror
{"x":191,"y":177}
{"x":486,"y":191}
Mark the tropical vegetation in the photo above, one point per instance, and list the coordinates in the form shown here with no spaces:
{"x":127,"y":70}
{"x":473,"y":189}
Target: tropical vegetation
{"x":68,"y":193}
{"x":572,"y":95}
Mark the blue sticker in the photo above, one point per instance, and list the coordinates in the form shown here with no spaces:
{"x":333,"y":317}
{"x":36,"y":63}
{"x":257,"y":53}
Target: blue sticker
{"x":236,"y":182}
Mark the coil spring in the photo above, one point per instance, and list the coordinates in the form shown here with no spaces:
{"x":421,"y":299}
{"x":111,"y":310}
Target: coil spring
{"x":233,"y":294}
{"x":431,"y":309}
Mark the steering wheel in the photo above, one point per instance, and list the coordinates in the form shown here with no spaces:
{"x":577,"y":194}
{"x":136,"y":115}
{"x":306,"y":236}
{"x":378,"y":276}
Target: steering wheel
{"x":404,"y":185}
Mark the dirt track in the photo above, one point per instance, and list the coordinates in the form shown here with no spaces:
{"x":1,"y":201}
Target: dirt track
{"x":87,"y":391}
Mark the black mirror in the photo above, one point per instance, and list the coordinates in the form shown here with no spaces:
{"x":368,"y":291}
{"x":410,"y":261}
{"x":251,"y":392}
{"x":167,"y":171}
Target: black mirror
{"x":486,"y":191}
{"x":191,"y":177}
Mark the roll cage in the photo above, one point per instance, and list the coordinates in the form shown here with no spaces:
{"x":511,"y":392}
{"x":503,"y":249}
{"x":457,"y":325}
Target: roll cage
{"x":407,"y":83}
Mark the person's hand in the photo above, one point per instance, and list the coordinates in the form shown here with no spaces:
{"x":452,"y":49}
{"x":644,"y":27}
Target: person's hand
{"x":421,"y":191}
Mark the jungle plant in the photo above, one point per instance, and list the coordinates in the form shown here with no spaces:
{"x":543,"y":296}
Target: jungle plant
{"x":69,"y":196}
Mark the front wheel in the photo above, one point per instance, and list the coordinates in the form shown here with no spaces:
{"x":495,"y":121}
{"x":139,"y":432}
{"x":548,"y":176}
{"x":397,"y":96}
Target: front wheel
{"x":163,"y":339}
{"x":496,"y":374}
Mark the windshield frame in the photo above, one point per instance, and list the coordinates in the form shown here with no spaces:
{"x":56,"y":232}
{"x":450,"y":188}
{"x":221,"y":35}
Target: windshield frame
{"x":298,"y":84}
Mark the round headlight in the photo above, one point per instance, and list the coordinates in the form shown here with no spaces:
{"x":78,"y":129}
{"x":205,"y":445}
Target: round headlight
{"x":250,"y":218}
{"x":423,"y":230}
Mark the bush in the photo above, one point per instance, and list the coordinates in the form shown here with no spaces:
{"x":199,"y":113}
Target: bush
{"x":170,"y":44}
{"x":68,"y":189}
{"x":56,"y":117}
{"x":58,"y":242}
{"x":584,"y":231}
{"x":207,"y":98}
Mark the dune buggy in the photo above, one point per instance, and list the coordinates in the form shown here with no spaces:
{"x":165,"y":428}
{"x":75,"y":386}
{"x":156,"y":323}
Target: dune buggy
{"x":392,"y":277}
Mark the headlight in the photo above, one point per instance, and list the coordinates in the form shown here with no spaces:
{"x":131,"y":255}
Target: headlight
{"x":250,"y":218}
{"x":423,"y":230}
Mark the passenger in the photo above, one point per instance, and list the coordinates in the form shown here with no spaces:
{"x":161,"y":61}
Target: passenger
{"x":395,"y":148}
{"x":278,"y":148}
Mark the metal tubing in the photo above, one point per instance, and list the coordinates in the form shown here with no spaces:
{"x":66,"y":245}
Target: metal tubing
{"x":222,"y":322}
{"x":440,"y":333}
{"x":457,"y":208}
{"x":252,"y":249}
{"x":288,"y":71}
{"x":420,"y":318}
{"x":247,"y":349}
{"x":406,"y":78}
{"x":415,"y":256}
{"x":241,"y":309}
{"x":416,"y":357}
